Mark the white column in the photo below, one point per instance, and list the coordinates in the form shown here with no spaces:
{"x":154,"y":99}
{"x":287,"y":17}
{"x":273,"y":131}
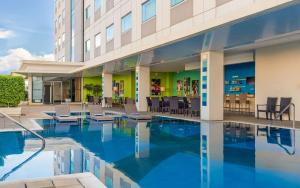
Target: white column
{"x":106,"y":86}
{"x":142,"y":79}
{"x":212,"y":85}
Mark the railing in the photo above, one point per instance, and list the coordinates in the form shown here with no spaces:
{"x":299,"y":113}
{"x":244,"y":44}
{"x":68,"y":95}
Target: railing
{"x":3,"y":115}
{"x":284,"y":110}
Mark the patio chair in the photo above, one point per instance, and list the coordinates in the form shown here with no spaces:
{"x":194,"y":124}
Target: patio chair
{"x":232,"y":102}
{"x":108,"y":102}
{"x":132,"y":113}
{"x":185,"y":107}
{"x":96,"y":100}
{"x":165,"y":104}
{"x":129,"y":101}
{"x":226,"y":103}
{"x":270,"y":107}
{"x":156,"y":105}
{"x":284,"y":103}
{"x":62,"y":114}
{"x":195,"y":106}
{"x":96,"y":113}
{"x":149,"y":104}
{"x":243,"y":103}
{"x":174,"y":107}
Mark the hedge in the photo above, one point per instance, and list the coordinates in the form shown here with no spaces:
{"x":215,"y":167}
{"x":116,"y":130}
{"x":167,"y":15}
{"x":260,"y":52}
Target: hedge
{"x":12,"y":90}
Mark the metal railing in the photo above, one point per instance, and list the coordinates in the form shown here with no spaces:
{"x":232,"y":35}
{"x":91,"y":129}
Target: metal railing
{"x":3,"y":115}
{"x":284,"y":110}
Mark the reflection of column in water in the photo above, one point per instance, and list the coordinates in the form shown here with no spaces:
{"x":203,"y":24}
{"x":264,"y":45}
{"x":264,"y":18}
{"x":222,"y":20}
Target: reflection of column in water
{"x":106,"y":132}
{"x":211,"y":154}
{"x":142,"y":140}
{"x":76,"y":160}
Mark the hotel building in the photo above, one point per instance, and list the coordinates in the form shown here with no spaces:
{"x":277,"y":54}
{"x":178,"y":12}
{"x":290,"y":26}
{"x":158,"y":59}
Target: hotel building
{"x":141,"y":48}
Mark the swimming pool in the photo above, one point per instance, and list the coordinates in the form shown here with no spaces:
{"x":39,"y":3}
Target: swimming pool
{"x":161,"y":153}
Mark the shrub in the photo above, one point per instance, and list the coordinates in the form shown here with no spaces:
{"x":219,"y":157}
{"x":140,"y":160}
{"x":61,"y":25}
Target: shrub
{"x":12,"y":90}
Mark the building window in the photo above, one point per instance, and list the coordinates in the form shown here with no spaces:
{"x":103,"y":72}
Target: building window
{"x":148,"y":10}
{"x":110,"y":33}
{"x":88,"y":12}
{"x":175,"y":2}
{"x":59,"y":42}
{"x":97,"y":40}
{"x":97,"y":4}
{"x":63,"y":37}
{"x":126,"y":22}
{"x":88,"y":46}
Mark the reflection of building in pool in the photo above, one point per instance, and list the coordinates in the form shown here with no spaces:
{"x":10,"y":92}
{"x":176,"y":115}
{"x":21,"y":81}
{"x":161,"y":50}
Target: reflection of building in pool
{"x":211,"y":154}
{"x":79,"y":160}
{"x":276,"y":147}
{"x":142,"y":140}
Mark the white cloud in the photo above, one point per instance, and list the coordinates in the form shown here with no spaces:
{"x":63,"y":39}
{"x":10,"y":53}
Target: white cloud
{"x":12,"y":60}
{"x":4,"y":34}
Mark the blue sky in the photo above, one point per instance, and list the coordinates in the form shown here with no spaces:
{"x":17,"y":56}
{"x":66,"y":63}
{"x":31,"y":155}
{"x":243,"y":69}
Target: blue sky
{"x":26,"y":26}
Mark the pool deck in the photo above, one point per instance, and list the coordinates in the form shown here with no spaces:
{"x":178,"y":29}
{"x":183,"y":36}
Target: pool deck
{"x":82,"y":180}
{"x":38,"y":112}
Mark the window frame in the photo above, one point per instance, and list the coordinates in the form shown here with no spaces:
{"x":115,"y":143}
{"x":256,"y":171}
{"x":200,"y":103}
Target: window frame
{"x":86,"y":49}
{"x":88,"y":12}
{"x":100,"y":5}
{"x":178,"y":3}
{"x":125,"y":16}
{"x":110,"y":26}
{"x":144,"y":4}
{"x":98,"y":34}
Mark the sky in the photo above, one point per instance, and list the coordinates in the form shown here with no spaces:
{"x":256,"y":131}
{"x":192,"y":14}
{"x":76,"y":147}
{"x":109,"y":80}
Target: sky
{"x":26,"y":32}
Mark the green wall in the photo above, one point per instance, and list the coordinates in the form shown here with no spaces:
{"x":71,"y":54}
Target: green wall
{"x":97,"y":80}
{"x":166,"y":80}
{"x":193,"y":74}
{"x":129,"y":83}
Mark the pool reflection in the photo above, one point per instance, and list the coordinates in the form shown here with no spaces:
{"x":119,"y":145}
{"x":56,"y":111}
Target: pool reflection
{"x":160,"y":153}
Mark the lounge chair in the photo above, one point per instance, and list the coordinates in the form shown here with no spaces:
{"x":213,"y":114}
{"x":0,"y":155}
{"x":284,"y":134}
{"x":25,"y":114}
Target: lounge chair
{"x":270,"y":107}
{"x":62,"y":114}
{"x":96,"y":113}
{"x":132,"y":113}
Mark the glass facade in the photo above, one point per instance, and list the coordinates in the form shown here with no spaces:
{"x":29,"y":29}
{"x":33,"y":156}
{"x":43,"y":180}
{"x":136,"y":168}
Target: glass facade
{"x":148,"y":10}
{"x":97,"y":4}
{"x":126,"y":22}
{"x":110,"y":33}
{"x":175,"y":2}
{"x":37,"y":89}
{"x":97,"y":40}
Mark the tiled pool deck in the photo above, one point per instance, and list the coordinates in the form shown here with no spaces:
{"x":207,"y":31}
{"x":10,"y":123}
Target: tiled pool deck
{"x":37,"y":112}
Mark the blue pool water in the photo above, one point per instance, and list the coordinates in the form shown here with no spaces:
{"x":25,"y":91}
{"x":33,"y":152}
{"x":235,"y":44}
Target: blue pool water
{"x":161,"y":153}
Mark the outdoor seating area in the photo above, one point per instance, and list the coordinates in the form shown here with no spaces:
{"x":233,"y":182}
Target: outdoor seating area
{"x":175,"y":105}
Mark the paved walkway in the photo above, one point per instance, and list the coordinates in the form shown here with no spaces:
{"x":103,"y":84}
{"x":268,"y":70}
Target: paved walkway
{"x":83,"y":180}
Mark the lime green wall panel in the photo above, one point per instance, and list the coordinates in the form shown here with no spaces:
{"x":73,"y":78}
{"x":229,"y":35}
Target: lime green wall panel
{"x":97,"y":80}
{"x":193,"y":74}
{"x":128,"y":83}
{"x":166,"y":80}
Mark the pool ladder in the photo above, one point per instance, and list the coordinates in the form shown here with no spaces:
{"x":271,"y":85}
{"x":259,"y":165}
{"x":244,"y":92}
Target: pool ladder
{"x":3,"y":115}
{"x":284,"y":110}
